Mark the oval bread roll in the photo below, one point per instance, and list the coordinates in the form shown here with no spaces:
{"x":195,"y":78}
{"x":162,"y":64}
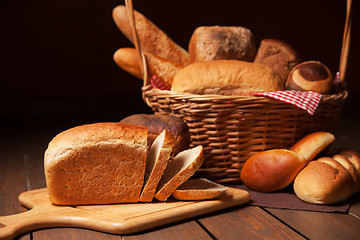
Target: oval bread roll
{"x":226,"y":77}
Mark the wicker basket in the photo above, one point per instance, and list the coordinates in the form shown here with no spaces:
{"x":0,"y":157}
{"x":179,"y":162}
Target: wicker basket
{"x":233,"y":128}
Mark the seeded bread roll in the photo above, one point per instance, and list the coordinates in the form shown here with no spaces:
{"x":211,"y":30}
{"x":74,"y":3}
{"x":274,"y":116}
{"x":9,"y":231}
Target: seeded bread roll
{"x":98,"y":163}
{"x":226,"y":77}
{"x":220,"y":42}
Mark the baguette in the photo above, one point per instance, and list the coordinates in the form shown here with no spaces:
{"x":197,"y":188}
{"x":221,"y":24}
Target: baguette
{"x":100,"y":163}
{"x":126,"y":58}
{"x":199,"y":189}
{"x":152,"y":39}
{"x":226,"y":77}
{"x":156,"y":162}
{"x":180,"y":169}
{"x":328,"y":180}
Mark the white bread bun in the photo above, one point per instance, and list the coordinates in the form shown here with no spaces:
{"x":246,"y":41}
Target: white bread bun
{"x":276,"y":169}
{"x":199,"y":189}
{"x":178,"y":170}
{"x":312,"y":144}
{"x":324,"y":181}
{"x":98,"y":163}
{"x":156,"y":162}
{"x":226,"y":77}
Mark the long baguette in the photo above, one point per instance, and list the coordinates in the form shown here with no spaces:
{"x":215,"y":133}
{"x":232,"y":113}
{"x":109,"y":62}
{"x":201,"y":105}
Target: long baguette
{"x":152,"y":39}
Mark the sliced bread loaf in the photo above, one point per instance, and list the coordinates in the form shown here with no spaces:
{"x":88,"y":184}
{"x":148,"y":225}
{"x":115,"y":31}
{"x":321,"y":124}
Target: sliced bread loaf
{"x":199,"y":189}
{"x":99,"y":163}
{"x":156,"y":162}
{"x":178,"y":170}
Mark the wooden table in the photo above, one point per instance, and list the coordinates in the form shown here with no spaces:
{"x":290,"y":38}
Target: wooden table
{"x":22,"y":146}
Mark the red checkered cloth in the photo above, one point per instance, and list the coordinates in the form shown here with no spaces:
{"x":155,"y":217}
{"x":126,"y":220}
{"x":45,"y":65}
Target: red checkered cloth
{"x":157,"y":82}
{"x":306,"y":100}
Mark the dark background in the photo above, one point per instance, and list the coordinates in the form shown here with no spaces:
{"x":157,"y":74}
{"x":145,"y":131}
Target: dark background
{"x":57,"y":55}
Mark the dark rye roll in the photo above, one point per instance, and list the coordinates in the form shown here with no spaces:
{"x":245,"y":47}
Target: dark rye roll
{"x":310,"y":76}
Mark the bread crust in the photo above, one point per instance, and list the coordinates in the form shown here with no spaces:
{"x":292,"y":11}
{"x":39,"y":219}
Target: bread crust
{"x":97,"y":163}
{"x":226,"y":77}
{"x":152,"y":39}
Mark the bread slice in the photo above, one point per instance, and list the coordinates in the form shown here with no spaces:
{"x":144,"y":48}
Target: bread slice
{"x":99,"y":163}
{"x":199,"y":189}
{"x":178,"y":170}
{"x":156,"y":162}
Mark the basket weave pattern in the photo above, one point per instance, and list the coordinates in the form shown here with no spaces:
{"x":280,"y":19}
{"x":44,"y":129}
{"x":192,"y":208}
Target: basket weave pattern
{"x":231,"y":129}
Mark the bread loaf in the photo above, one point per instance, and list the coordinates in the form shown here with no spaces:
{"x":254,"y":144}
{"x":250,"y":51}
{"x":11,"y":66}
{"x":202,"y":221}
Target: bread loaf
{"x":156,"y":162}
{"x":226,"y":77}
{"x":276,"y":169}
{"x":126,"y":58}
{"x":221,"y":42}
{"x":199,"y":189}
{"x":156,"y":123}
{"x":178,"y":170}
{"x":278,"y":55}
{"x":98,"y":163}
{"x":329,"y":180}
{"x":152,"y":39}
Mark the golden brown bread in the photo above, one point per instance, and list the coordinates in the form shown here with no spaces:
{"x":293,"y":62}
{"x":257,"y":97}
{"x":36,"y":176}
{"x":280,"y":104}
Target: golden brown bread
{"x":127,"y":59}
{"x":156,"y":162}
{"x":276,"y":169}
{"x":226,"y":77}
{"x":178,"y":170}
{"x":98,"y":163}
{"x":278,"y":55}
{"x":152,"y":39}
{"x":199,"y":189}
{"x":221,"y":42}
{"x":325,"y":181}
{"x":310,"y":76}
{"x":156,"y":123}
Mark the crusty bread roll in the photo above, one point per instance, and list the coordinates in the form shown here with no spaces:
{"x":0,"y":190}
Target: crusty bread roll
{"x":156,"y":162}
{"x":127,"y":59}
{"x":312,"y":144}
{"x":278,"y":55}
{"x":152,"y":39}
{"x":226,"y":77}
{"x":276,"y":169}
{"x":310,"y":76}
{"x":326,"y":181}
{"x":221,"y":42}
{"x":178,"y":170}
{"x":98,"y":163}
{"x":199,"y":189}
{"x":156,"y":123}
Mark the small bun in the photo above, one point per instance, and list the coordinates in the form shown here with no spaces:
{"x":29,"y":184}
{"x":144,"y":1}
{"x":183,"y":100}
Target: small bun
{"x":310,"y":76}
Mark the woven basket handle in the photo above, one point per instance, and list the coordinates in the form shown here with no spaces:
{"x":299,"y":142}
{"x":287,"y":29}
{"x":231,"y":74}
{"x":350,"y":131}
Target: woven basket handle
{"x":143,"y":64}
{"x":346,"y":42}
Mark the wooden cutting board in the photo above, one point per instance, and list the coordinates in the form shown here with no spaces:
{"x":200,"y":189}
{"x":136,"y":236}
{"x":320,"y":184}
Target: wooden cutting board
{"x":117,"y":218}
